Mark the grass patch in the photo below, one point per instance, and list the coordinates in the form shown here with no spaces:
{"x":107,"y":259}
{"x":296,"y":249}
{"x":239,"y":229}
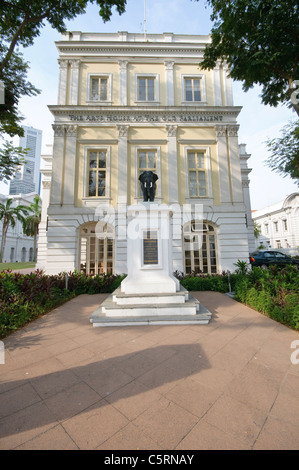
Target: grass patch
{"x":12,"y":266}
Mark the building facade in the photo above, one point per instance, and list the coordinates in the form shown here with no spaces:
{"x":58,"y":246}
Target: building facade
{"x":27,"y":178}
{"x":279,"y":225}
{"x":18,"y":247}
{"x":127,"y":104}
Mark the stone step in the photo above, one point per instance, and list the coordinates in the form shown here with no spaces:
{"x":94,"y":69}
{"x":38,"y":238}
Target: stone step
{"x":110,"y":314}
{"x":149,"y":299}
{"x":198,"y":319}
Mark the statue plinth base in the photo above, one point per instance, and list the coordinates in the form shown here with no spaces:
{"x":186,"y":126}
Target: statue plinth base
{"x":150,"y":294}
{"x":149,"y":256}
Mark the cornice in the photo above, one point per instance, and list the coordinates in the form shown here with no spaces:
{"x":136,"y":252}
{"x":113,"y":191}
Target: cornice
{"x":93,"y":115}
{"x":119,"y":49}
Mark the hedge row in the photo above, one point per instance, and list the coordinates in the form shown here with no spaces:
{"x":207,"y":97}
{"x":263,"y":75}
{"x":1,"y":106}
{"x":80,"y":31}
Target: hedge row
{"x":25,"y":297}
{"x":272,"y":291}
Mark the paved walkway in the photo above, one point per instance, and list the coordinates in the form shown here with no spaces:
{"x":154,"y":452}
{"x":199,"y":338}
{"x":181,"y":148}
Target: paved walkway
{"x":227,"y":385}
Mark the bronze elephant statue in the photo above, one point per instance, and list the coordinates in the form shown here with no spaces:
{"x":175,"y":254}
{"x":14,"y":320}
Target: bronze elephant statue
{"x":148,"y":185}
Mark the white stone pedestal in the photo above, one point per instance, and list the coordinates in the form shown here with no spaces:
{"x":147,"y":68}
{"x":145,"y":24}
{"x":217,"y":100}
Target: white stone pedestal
{"x":150,"y":294}
{"x":149,"y":257}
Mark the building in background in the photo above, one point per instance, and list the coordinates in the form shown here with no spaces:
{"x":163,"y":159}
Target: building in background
{"x":279,"y":225}
{"x":18,"y":247}
{"x":27,"y":178}
{"x":127,"y":104}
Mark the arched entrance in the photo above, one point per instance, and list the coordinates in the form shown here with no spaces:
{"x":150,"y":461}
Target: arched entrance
{"x":200,"y":253}
{"x":96,"y":248}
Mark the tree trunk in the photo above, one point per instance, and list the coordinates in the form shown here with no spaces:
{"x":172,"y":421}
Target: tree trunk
{"x":4,"y":232}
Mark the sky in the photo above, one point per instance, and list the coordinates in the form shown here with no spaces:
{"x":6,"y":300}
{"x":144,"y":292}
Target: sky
{"x":257,"y":122}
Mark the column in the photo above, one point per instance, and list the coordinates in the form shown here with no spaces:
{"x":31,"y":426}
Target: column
{"x":234,"y":162}
{"x":173,"y":193}
{"x":223,"y":162}
{"x":58,"y":163}
{"x":169,"y":83}
{"x":62,"y":87}
{"x":123,"y":99}
{"x":217,"y":85}
{"x":42,"y":236}
{"x":75,"y":63}
{"x":122,"y":183}
{"x":70,"y":165}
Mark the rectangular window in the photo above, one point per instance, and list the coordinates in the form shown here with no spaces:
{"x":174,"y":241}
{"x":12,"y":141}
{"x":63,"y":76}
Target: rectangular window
{"x":275,"y":226}
{"x":99,"y":88}
{"x":285,"y":224}
{"x":146,"y":88}
{"x":192,"y":89}
{"x":197,"y":174}
{"x":97,"y":172}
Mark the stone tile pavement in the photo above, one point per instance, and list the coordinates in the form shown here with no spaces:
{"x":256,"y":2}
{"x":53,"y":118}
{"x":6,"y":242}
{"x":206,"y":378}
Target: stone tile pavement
{"x":227,"y":385}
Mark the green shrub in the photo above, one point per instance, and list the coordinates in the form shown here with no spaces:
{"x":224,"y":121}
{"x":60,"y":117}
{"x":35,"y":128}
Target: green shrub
{"x":272,"y":291}
{"x":25,"y":297}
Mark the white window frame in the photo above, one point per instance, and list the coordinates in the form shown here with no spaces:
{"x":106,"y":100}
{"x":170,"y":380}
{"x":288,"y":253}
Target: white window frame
{"x":202,"y":79}
{"x":86,"y":197}
{"x":206,"y":151}
{"x":158,"y":170}
{"x":109,"y":89}
{"x":147,"y":75}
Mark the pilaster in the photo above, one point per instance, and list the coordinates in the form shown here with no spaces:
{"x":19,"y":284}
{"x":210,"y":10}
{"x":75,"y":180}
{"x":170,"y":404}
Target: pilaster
{"x":75,"y":64}
{"x":173,"y":193}
{"x":169,"y":82}
{"x":234,"y":163}
{"x":58,"y":162}
{"x":69,"y":165}
{"x":123,"y":99}
{"x":123,"y":131}
{"x":62,"y":87}
{"x":223,"y":162}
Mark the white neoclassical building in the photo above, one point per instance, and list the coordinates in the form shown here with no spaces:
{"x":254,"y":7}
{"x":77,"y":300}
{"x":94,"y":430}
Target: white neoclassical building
{"x":18,"y":247}
{"x":279,"y":225}
{"x":127,"y":104}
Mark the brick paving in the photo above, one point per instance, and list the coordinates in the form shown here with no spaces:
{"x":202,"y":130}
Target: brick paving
{"x":227,"y":385}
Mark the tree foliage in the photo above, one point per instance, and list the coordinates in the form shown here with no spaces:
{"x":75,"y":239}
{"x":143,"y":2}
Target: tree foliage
{"x":20,"y":23}
{"x":9,"y":215}
{"x":10,"y":158}
{"x":284,"y":152}
{"x":259,"y":39}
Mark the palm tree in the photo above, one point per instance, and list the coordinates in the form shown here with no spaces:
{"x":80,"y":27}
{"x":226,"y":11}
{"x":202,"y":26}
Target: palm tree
{"x":9,"y":215}
{"x":32,"y":221}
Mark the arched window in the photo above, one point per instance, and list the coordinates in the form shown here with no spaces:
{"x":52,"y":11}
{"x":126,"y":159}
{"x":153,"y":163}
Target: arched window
{"x":97,"y":248}
{"x":200,"y":253}
{"x":23,"y":254}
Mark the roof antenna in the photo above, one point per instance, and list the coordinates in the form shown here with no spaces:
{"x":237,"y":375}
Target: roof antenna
{"x":144,"y":21}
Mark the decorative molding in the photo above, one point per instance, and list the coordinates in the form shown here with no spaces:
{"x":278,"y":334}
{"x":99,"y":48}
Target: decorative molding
{"x":63,"y":63}
{"x":220,"y":131}
{"x":138,"y":116}
{"x":123,"y":130}
{"x":123,"y":64}
{"x":169,"y":64}
{"x":46,"y":184}
{"x":171,"y":130}
{"x":71,"y":130}
{"x":233,"y":130}
{"x":75,"y":63}
{"x":59,"y":130}
{"x":197,"y":142}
